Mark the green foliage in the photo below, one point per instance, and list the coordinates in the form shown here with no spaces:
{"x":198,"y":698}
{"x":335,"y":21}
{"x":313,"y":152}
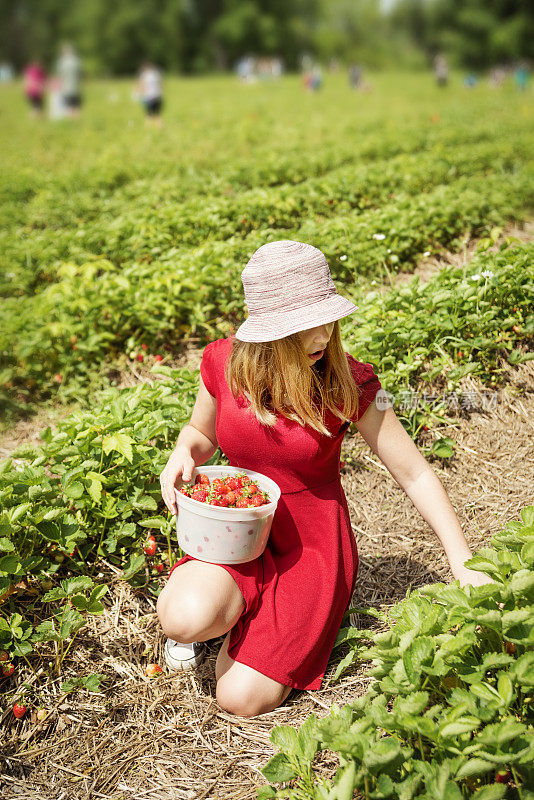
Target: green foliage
{"x":450,"y":703}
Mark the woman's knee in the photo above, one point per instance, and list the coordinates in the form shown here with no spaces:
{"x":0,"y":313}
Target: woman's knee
{"x":184,"y":617}
{"x":247,"y":699}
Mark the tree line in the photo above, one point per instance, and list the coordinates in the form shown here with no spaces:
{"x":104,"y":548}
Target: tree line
{"x":196,"y":36}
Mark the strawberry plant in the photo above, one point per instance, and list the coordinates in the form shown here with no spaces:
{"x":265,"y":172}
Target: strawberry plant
{"x":448,"y":713}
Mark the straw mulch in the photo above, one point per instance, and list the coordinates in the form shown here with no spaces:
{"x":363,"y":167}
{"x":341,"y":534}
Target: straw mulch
{"x":168,"y":739}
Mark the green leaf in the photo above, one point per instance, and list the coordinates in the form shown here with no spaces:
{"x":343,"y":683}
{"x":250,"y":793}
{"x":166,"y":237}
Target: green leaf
{"x":344,"y":789}
{"x":74,"y":490}
{"x":493,"y":792}
{"x":153,"y":522}
{"x":308,"y":738}
{"x":285,"y":738}
{"x":266,"y":793}
{"x":92,"y":682}
{"x":146,"y":503}
{"x":54,"y":594}
{"x":120,"y":442}
{"x":9,"y":565}
{"x":381,"y":754}
{"x":76,"y":585}
{"x":458,"y":727}
{"x":443,"y":448}
{"x":419,"y":653}
{"x":279,"y":769}
{"x":135,"y":563}
{"x":79,"y":602}
{"x":6,"y":545}
{"x":475,"y":766}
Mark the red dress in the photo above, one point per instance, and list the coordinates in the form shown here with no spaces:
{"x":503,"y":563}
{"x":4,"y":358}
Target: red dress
{"x":297,"y":592}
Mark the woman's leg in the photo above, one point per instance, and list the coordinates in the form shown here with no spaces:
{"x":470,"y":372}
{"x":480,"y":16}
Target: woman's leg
{"x":245,"y":691}
{"x":200,"y":601}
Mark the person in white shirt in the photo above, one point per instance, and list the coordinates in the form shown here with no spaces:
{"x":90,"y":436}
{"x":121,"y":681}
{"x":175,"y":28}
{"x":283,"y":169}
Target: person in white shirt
{"x":151,"y":93}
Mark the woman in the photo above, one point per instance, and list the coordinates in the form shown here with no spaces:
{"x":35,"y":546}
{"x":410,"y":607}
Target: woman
{"x":278,"y":399}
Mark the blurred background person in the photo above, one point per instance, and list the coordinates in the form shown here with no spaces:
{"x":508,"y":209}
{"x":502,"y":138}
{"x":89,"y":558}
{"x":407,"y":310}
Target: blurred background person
{"x":34,"y":87}
{"x":355,"y":76}
{"x":441,"y":70}
{"x":56,"y":106}
{"x":69,"y":73}
{"x":150,"y":90}
{"x":521,"y":76}
{"x":470,"y":80}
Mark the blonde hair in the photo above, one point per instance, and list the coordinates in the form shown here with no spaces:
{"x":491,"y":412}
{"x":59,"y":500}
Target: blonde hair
{"x":277,"y":379}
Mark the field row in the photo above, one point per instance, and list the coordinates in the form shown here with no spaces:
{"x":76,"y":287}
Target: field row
{"x":149,"y":230}
{"x":99,"y":310}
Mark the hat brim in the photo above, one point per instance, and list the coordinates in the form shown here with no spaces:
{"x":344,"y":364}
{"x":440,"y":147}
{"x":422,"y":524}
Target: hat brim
{"x":277,"y":325}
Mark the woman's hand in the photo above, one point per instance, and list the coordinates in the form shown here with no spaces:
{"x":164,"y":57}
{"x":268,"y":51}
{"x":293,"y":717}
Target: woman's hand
{"x":465,"y":576}
{"x":180,"y":464}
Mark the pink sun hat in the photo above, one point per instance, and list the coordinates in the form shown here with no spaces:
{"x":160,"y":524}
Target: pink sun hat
{"x":288,"y":288}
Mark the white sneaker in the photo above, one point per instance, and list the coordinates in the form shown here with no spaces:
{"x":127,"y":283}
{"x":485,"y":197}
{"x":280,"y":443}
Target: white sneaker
{"x":181,"y":657}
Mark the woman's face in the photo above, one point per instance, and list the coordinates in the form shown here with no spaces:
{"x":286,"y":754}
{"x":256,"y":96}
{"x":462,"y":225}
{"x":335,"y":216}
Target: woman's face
{"x":315,"y":340}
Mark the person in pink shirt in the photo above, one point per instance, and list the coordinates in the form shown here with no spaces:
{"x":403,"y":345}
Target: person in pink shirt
{"x":34,"y":87}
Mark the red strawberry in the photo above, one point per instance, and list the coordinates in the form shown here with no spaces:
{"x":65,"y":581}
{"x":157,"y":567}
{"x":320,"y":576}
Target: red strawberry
{"x":516,"y":329}
{"x":158,"y":358}
{"x":223,"y":501}
{"x":218,"y":484}
{"x":240,"y":483}
{"x":242,"y":503}
{"x":503,"y":777}
{"x":215,"y":502}
{"x":140,"y":357}
{"x":203,"y":479}
{"x":150,"y":547}
{"x":252,"y":488}
{"x":231,"y":497}
{"x":144,"y":346}
{"x":159,"y":568}
{"x":185,"y":490}
{"x":7,"y":670}
{"x":19,"y":710}
{"x":232,"y":483}
{"x":200,"y":495}
{"x":257,"y":500}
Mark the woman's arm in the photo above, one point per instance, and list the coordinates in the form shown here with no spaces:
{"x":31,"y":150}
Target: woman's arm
{"x":386,"y":437}
{"x":196,"y":444}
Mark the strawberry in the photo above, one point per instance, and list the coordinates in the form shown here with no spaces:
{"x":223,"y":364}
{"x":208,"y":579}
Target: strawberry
{"x":240,"y":483}
{"x":257,"y":500}
{"x":3,"y":656}
{"x":153,"y":670}
{"x":159,"y":568}
{"x":186,"y":491}
{"x":150,"y":547}
{"x":232,"y":483}
{"x":158,"y":358}
{"x":252,"y":489}
{"x":231,"y":497}
{"x":200,"y":495}
{"x":19,"y":710}
{"x":203,"y":479}
{"x":223,"y":501}
{"x":242,"y":503}
{"x":58,"y":378}
{"x":516,"y":329}
{"x":510,"y":648}
{"x":215,"y":502}
{"x":7,"y":670}
{"x":503,"y":777}
{"x":144,"y":346}
{"x":140,"y":357}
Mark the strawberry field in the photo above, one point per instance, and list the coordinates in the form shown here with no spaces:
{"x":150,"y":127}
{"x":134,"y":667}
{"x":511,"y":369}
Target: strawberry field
{"x":121,"y":248}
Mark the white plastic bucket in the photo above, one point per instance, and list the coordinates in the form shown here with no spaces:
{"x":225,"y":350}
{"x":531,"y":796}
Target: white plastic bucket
{"x":225,"y":535}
